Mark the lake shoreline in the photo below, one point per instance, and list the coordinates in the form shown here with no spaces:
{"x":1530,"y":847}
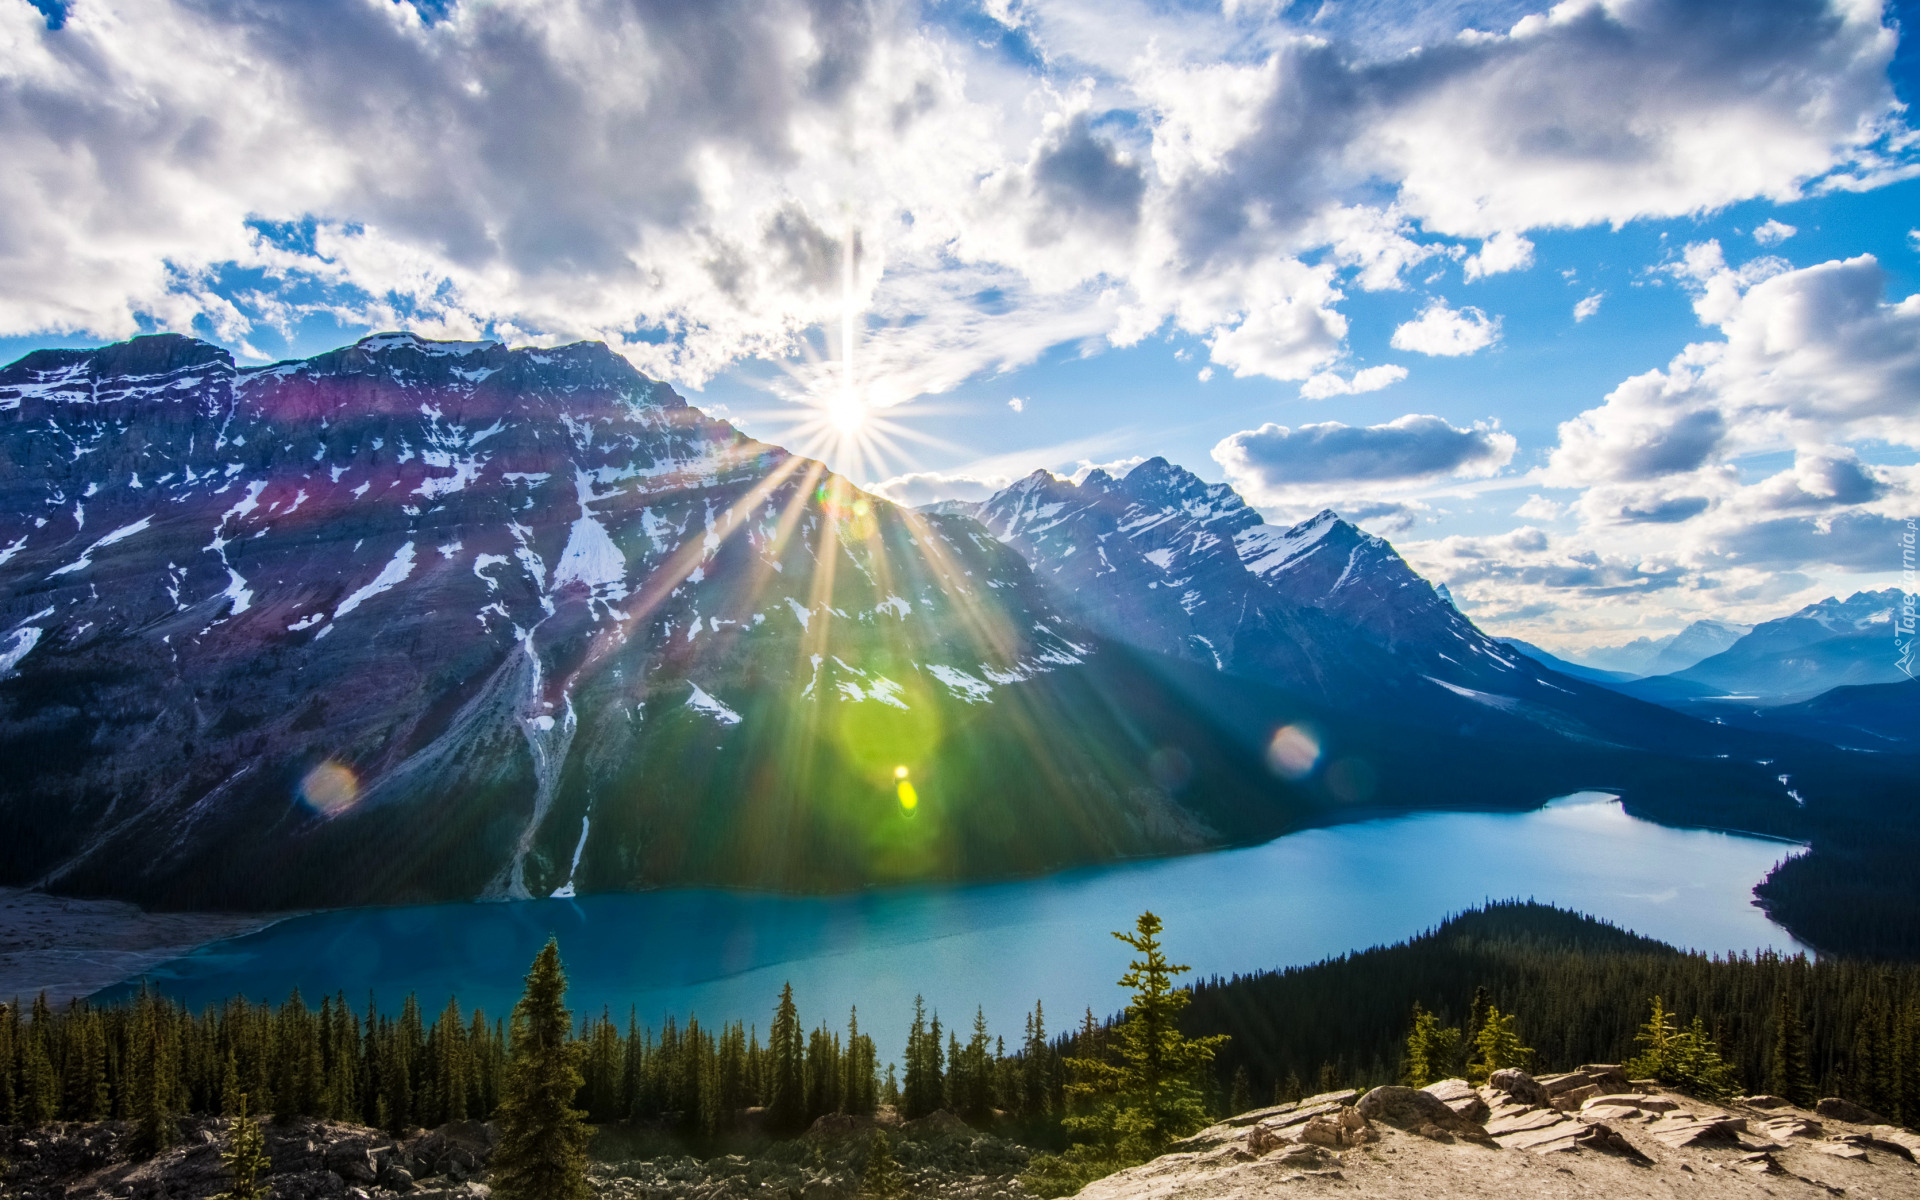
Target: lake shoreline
{"x":71,"y":948}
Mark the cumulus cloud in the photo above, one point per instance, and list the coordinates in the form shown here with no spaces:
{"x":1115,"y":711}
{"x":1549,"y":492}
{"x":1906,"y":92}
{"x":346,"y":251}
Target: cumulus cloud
{"x":684,"y":180}
{"x":1588,"y":306}
{"x":1680,"y":495}
{"x":1368,"y":379}
{"x":1452,"y":332}
{"x":1538,"y":508}
{"x":1500,"y":253}
{"x":1814,"y":357}
{"x":1772,"y":233}
{"x":1275,"y":461}
{"x":924,"y":487}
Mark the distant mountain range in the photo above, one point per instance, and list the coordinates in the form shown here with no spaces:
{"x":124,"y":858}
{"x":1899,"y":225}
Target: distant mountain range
{"x":418,"y":620}
{"x":1830,"y":645}
{"x":1664,"y":655}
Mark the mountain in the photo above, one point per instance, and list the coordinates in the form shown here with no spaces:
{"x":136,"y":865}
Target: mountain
{"x":418,"y":620}
{"x":1872,"y":716}
{"x":1700,"y":640}
{"x":1161,"y":559}
{"x":1548,"y":659}
{"x":1834,"y":643}
{"x":1664,"y":655}
{"x":1831,"y":644}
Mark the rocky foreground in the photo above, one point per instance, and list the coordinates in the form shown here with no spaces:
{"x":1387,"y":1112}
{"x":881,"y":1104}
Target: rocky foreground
{"x":1590,"y":1132}
{"x":940,"y":1156}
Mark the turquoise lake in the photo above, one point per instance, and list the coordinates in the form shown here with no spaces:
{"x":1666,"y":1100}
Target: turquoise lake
{"x":1001,"y":946}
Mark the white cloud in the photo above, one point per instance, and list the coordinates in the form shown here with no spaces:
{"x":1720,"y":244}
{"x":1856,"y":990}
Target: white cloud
{"x":1588,"y":306}
{"x":1772,"y":233}
{"x":1676,"y":513}
{"x":1117,"y":468}
{"x":1369,"y":379}
{"x":552,"y":169}
{"x":1538,"y":508}
{"x":924,"y":487}
{"x":1276,"y":465}
{"x":1810,"y":357}
{"x":1440,"y":330}
{"x":1500,"y":253}
{"x":1018,"y":404}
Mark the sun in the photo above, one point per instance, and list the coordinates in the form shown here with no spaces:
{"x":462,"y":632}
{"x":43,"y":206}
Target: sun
{"x":846,"y":414}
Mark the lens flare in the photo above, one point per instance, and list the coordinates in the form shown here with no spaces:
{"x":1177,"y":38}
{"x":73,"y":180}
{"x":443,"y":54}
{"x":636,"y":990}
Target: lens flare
{"x":909,"y":799}
{"x":330,"y":789}
{"x":1294,"y":751}
{"x":899,"y":772}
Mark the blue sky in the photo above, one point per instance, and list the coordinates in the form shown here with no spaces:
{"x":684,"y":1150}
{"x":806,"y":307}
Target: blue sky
{"x":1164,"y":228}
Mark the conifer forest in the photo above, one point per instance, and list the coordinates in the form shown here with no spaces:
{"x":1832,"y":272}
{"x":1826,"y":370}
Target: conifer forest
{"x":1571,"y":989}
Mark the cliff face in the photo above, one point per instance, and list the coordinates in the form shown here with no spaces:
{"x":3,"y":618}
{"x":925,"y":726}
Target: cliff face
{"x":424,"y":620}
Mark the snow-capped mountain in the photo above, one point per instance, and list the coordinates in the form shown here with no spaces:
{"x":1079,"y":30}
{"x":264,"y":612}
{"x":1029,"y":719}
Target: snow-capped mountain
{"x":1666,"y":654}
{"x":1163,"y":559}
{"x":1833,"y":643}
{"x":419,"y":619}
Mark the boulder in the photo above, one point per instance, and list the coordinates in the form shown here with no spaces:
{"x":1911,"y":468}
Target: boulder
{"x":1417,"y":1112}
{"x":1458,"y":1095}
{"x":1763,"y":1100}
{"x":1678,"y":1129}
{"x":1518,"y":1084}
{"x":1898,"y":1141}
{"x":1340,"y":1129}
{"x":351,"y":1162}
{"x":1836,"y":1109}
{"x":1782,"y":1128}
{"x":1604,"y":1138}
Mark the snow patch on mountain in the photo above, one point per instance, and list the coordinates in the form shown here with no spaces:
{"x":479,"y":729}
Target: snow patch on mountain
{"x":701,"y":702}
{"x":962,"y":685}
{"x":391,"y":576}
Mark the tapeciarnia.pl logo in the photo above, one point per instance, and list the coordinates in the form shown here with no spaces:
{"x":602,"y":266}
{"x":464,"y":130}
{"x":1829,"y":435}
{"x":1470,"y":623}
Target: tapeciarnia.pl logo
{"x":1903,"y":619}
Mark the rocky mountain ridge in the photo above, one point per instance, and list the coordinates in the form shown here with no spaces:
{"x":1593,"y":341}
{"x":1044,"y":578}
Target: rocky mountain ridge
{"x":420,"y":620}
{"x":417,"y":620}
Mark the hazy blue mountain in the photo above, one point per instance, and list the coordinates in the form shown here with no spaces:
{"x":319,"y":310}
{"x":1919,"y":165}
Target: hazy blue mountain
{"x":1833,"y":643}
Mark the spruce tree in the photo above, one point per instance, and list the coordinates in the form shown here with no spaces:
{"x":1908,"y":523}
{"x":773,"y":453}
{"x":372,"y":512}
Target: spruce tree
{"x":1240,"y":1096}
{"x":153,"y":1080}
{"x":882,"y":1179}
{"x":1788,"y":1075}
{"x":1499,"y":1046}
{"x":541,"y":1153}
{"x":786,"y":1068}
{"x":1148,"y":1093}
{"x":246,"y":1158}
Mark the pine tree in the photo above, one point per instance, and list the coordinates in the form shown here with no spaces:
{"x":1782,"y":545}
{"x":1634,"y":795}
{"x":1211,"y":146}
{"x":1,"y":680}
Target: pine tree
{"x":1499,"y":1046}
{"x":882,"y":1179}
{"x":786,"y":1068}
{"x":1686,"y":1060}
{"x":541,"y":1153}
{"x":1788,"y":1075}
{"x":1240,"y":1096}
{"x":1148,"y":1094}
{"x":153,"y":1080}
{"x":246,"y":1158}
